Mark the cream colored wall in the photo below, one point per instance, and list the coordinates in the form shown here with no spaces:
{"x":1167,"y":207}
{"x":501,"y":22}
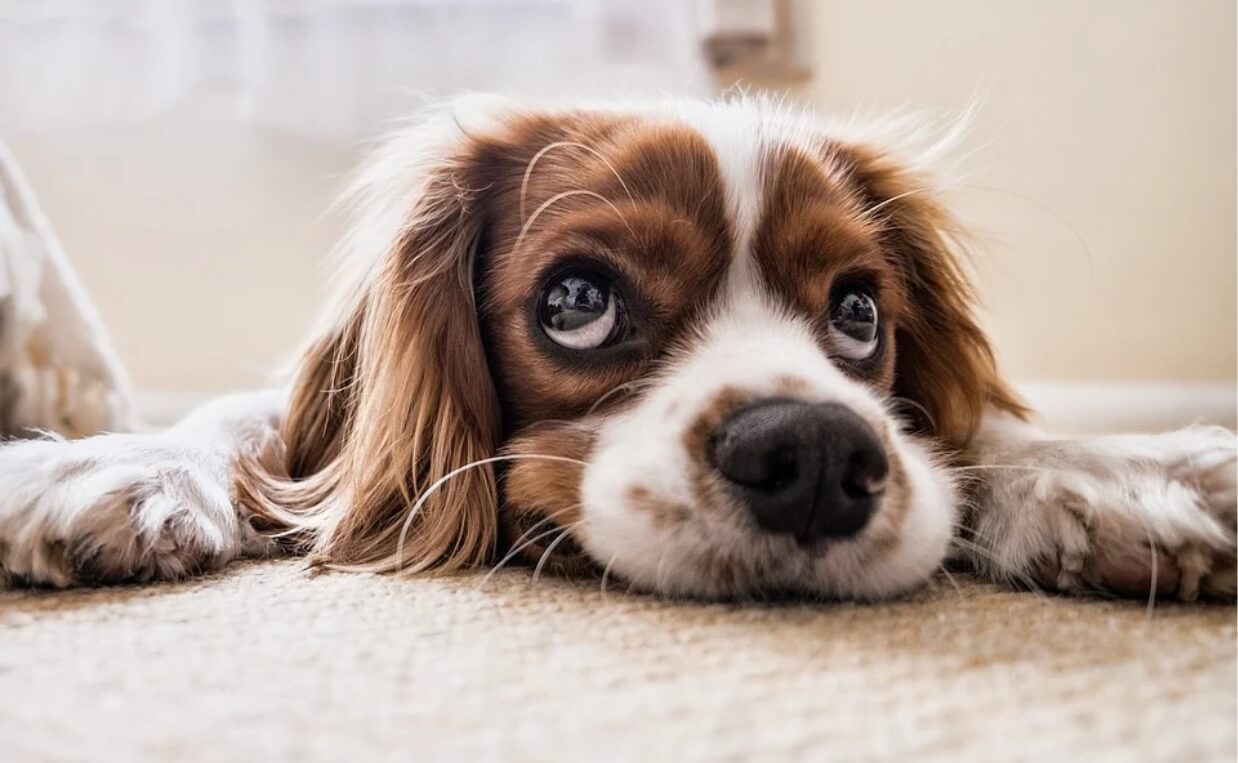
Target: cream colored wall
{"x":202,"y":238}
{"x":1103,"y":181}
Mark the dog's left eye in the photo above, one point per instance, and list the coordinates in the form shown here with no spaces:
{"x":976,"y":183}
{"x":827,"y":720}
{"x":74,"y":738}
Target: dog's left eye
{"x":580,"y":311}
{"x":853,"y":325}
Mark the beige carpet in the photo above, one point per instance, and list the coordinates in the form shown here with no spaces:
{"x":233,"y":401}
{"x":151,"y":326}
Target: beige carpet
{"x":266,"y":662}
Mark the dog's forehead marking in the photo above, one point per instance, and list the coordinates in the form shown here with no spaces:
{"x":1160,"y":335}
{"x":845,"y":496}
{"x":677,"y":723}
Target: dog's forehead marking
{"x":739,"y":148}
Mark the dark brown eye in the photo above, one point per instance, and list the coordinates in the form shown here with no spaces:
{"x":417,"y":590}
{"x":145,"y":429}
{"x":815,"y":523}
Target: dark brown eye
{"x":853,"y":324}
{"x":581,"y":311}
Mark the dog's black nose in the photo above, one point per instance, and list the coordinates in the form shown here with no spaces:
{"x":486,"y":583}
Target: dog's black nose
{"x":811,"y":470}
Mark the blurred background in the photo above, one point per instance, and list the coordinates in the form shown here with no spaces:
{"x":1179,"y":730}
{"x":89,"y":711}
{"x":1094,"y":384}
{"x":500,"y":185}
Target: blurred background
{"x":186,"y":152}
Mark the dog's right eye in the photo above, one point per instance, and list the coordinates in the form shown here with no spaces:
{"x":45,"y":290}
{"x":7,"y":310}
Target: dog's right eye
{"x":853,"y":324}
{"x":581,"y":311}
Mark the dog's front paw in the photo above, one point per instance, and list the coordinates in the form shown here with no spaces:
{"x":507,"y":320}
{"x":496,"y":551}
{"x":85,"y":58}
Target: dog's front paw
{"x":1131,"y":515}
{"x":113,"y":508}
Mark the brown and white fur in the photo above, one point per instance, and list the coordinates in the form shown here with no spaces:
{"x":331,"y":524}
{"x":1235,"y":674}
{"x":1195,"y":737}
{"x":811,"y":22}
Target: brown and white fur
{"x":432,"y":425}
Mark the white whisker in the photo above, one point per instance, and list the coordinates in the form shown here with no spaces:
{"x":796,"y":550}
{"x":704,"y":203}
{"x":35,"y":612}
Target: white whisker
{"x":908,"y":401}
{"x":612,"y":391}
{"x":953,"y":583}
{"x":567,"y":530}
{"x":988,"y":556}
{"x":521,"y":543}
{"x":437,"y":484}
{"x":913,"y":192}
{"x":1021,"y":467}
{"x":559,"y":197}
{"x":528,"y":170}
{"x":516,"y":551}
{"x":606,"y":574}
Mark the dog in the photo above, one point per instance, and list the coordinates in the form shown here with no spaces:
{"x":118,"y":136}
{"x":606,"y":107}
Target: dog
{"x":712,"y":349}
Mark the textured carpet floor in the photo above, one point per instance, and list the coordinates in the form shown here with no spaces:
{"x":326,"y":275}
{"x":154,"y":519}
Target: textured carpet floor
{"x":265,"y":662}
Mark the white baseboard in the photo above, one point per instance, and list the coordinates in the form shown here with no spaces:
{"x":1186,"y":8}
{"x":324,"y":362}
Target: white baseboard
{"x":1062,"y":407}
{"x":1131,"y":407}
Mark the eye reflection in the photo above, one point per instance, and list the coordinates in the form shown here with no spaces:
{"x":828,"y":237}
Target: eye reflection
{"x":853,"y":325}
{"x":580,"y":311}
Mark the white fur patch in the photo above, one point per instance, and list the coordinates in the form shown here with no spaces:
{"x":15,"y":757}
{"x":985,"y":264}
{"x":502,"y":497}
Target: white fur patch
{"x":1132,"y":513}
{"x":120,"y":507}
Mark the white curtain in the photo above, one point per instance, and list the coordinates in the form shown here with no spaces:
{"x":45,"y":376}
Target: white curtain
{"x":331,"y":68}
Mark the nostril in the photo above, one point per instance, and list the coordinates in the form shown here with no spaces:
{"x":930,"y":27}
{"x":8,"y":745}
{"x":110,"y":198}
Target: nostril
{"x":865,"y":475}
{"x":760,"y":447}
{"x":753,"y":462}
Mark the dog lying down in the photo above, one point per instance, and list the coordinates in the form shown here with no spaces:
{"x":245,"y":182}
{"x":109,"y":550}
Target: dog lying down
{"x":711,"y":349}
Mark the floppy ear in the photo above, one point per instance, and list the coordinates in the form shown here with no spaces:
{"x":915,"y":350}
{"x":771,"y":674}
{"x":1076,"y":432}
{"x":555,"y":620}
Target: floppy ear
{"x":395,"y":394}
{"x":944,"y":360}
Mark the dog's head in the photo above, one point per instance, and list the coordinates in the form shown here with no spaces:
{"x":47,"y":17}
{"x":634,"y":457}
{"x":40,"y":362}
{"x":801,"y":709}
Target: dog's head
{"x":711,"y":348}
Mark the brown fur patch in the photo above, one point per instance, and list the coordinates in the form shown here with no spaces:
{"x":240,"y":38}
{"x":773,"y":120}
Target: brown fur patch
{"x":654,"y":220}
{"x":812,"y":234}
{"x":666,"y":514}
{"x":541,"y":493}
{"x":709,"y":490}
{"x":727,"y":401}
{"x":790,"y":386}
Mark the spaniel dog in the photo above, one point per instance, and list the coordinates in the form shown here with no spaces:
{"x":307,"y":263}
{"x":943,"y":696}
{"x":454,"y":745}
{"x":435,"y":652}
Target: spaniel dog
{"x":718,"y":350}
